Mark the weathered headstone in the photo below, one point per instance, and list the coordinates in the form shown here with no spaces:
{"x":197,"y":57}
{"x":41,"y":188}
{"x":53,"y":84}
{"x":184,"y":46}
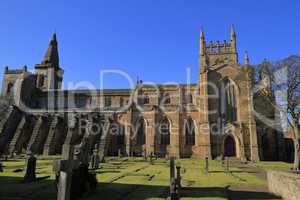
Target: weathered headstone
{"x":151,"y":158}
{"x":145,"y":154}
{"x":173,"y":195}
{"x":227,"y":163}
{"x":173,"y":181}
{"x":206,"y":165}
{"x":94,"y":161}
{"x":30,"y":167}
{"x":72,"y":175}
{"x":1,"y":167}
{"x":119,"y":153}
{"x":172,"y":167}
{"x":64,"y":171}
{"x":178,"y":178}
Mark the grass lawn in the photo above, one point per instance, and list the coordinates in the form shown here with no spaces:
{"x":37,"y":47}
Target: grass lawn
{"x":133,"y":178}
{"x":272,"y":165}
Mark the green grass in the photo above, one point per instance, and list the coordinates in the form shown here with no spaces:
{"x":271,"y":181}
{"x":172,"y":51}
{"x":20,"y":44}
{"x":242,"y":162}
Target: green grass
{"x":133,"y":178}
{"x":272,"y":165}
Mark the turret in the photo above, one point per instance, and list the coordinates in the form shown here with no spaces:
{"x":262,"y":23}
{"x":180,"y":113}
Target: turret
{"x":213,"y":54}
{"x":203,"y":57}
{"x":265,"y":75}
{"x":48,"y":73}
{"x":246,"y":58}
{"x":202,"y":43}
{"x":51,"y":56}
{"x":233,"y":45}
{"x":232,"y":39}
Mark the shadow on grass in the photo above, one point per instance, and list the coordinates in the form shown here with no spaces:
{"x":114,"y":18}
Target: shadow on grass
{"x":240,"y":195}
{"x":12,"y":187}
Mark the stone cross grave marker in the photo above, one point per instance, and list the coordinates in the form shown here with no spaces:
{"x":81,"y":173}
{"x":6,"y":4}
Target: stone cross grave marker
{"x":119,"y":153}
{"x":63,"y":170}
{"x":95,"y":160}
{"x":227,"y":164}
{"x":206,"y":165}
{"x":178,"y":178}
{"x":151,"y":158}
{"x":30,"y":167}
{"x":145,"y":154}
{"x":173,"y":181}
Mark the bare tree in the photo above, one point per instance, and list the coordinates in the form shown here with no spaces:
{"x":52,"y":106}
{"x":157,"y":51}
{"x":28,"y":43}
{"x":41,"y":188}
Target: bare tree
{"x":285,"y":82}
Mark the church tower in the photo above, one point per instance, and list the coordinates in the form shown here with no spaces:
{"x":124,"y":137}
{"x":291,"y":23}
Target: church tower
{"x":265,"y":77}
{"x":212,"y":54}
{"x":48,"y":72}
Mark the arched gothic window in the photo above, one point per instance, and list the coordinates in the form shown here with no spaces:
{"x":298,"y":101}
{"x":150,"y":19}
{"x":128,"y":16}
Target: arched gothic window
{"x":118,"y":131}
{"x":165,"y":131}
{"x":146,"y":99}
{"x":189,"y":99}
{"x":141,"y":133}
{"x":190,"y":132}
{"x":228,"y":101}
{"x":167,"y":98}
{"x":10,"y":88}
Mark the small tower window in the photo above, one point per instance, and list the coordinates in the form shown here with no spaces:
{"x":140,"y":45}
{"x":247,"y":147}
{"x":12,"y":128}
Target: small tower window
{"x":146,"y":99}
{"x":167,"y":99}
{"x":189,"y":99}
{"x":189,"y":132}
{"x":165,"y":132}
{"x":10,"y":88}
{"x":107,"y":102}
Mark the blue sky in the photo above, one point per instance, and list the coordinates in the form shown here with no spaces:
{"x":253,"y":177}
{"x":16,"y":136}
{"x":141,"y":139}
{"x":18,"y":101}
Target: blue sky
{"x":153,"y":39}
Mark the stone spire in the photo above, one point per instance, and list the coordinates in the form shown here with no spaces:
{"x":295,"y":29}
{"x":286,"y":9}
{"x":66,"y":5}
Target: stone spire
{"x":51,"y":56}
{"x":233,"y":39}
{"x":265,"y":75}
{"x":202,"y":43}
{"x":246,"y":58}
{"x":203,"y":56}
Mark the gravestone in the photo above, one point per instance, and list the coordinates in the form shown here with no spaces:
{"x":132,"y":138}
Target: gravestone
{"x":227,"y":164}
{"x":64,"y":170}
{"x":30,"y":167}
{"x":174,"y":186}
{"x":178,"y":168}
{"x":151,"y":158}
{"x":94,"y":161}
{"x":172,"y":167}
{"x":173,"y":195}
{"x":72,"y":175}
{"x":206,"y":165}
{"x":119,"y":153}
{"x":145,"y":154}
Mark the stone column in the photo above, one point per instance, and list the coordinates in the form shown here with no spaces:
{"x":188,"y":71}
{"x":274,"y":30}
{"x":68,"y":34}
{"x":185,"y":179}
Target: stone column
{"x":128,"y":139}
{"x":150,"y":133}
{"x":251,"y":123}
{"x":203,"y":141}
{"x":175,"y":137}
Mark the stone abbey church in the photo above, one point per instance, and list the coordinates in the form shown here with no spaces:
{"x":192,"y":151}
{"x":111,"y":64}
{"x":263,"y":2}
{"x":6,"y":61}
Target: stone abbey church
{"x":211,"y":118}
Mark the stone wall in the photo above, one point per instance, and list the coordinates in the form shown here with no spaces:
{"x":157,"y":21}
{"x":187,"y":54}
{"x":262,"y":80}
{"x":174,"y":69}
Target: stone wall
{"x":284,"y":184}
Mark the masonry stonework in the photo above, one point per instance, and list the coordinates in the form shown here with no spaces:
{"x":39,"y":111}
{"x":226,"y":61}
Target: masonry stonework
{"x":211,"y":118}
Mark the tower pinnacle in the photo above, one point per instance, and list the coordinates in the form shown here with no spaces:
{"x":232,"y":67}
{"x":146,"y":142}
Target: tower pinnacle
{"x":51,"y":55}
{"x":246,"y":58}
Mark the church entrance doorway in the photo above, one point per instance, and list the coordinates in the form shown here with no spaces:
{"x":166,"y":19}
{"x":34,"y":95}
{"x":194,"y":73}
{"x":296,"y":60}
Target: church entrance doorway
{"x":229,"y":147}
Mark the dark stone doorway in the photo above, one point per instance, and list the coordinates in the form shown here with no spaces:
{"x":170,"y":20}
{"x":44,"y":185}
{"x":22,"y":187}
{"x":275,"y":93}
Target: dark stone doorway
{"x":229,"y":147}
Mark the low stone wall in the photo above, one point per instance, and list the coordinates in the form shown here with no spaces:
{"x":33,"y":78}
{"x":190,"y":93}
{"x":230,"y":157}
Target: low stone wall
{"x":284,"y":184}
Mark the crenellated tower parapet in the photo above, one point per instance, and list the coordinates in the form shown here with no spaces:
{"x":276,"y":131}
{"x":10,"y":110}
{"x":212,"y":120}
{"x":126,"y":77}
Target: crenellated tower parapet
{"x":214,"y":53}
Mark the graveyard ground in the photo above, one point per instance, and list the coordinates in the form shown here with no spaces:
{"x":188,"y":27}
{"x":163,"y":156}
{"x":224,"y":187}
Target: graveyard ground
{"x":134,"y":178}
